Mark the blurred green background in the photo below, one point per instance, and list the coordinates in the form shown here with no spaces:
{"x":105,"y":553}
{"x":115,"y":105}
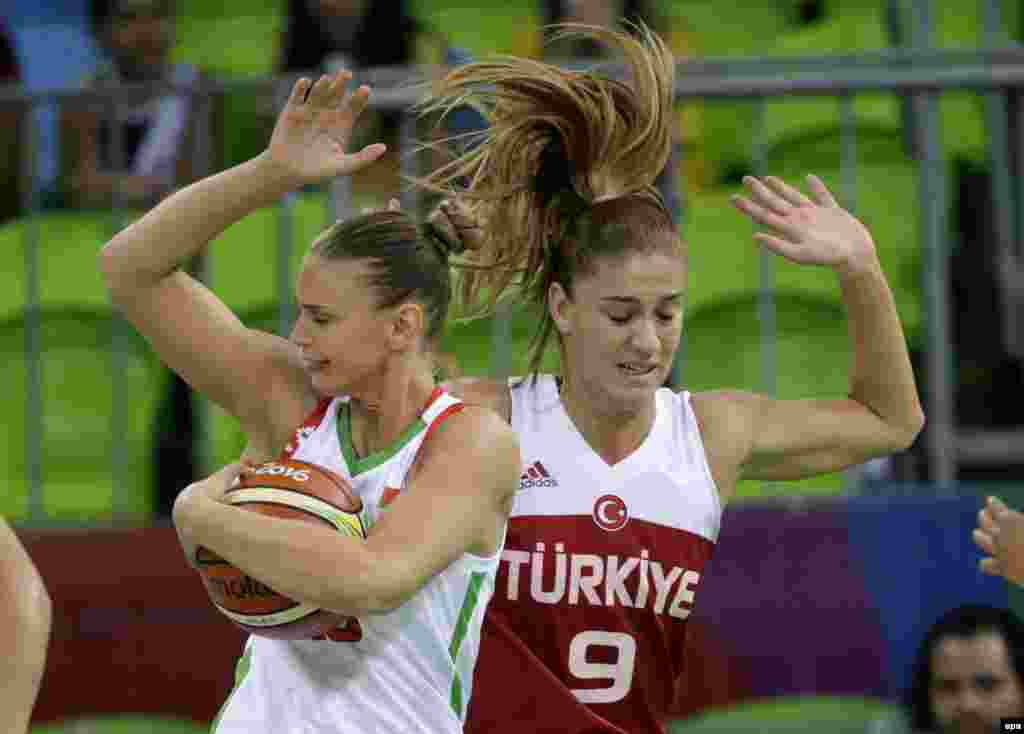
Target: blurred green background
{"x":237,"y":39}
{"x":722,"y":332}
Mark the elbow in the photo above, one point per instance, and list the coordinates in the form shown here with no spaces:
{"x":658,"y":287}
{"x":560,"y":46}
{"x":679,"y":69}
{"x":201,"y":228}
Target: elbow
{"x":904,"y":436}
{"x":110,"y":268}
{"x":35,"y":612}
{"x":116,"y":270}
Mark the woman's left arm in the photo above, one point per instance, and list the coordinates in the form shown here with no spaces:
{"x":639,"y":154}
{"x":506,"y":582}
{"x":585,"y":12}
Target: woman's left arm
{"x":881,"y":414}
{"x":457,"y":502}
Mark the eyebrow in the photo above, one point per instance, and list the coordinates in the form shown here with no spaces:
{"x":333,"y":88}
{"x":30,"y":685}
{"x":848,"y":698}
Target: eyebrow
{"x":630,"y":300}
{"x":314,"y":307}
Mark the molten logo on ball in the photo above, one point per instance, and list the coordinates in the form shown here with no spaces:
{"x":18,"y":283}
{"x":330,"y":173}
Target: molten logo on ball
{"x":610,"y":513}
{"x":242,"y":588}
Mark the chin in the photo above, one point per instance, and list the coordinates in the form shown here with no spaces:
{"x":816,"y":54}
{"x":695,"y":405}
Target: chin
{"x":328,"y":386}
{"x":628,"y":398}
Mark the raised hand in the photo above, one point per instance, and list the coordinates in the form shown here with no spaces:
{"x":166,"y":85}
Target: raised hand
{"x":1000,"y":535}
{"x":458,"y":223}
{"x":309,"y":139}
{"x":808,"y":232}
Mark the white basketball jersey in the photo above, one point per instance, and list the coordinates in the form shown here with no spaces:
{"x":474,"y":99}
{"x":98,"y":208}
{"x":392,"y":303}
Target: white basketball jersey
{"x":600,"y":571}
{"x":411,"y":670}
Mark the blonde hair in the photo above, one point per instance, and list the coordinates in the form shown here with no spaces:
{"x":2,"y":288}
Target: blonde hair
{"x":565,"y":173}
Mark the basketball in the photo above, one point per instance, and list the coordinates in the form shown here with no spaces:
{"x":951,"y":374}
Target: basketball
{"x":296,"y":490}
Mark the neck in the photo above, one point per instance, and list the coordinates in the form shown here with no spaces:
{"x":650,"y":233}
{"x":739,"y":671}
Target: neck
{"x":379,"y":416}
{"x":612,"y":434}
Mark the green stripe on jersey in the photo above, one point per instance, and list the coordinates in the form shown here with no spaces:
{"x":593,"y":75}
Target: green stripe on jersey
{"x":241,"y":670}
{"x":362,"y":465}
{"x":469,"y":603}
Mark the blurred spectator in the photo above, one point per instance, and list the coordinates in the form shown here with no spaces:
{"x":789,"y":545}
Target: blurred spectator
{"x":967,"y":674}
{"x":141,"y":153}
{"x":26,"y":13}
{"x":326,"y":35}
{"x":8,"y":62}
{"x":10,"y":124}
{"x":154,"y":131}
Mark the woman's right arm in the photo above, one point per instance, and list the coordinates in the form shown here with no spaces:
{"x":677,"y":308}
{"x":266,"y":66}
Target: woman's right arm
{"x":191,"y":330}
{"x":189,"y":327}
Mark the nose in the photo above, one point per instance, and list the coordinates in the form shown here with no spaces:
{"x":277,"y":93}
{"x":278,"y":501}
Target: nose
{"x":970,"y":701}
{"x":644,"y":338}
{"x":298,"y":335}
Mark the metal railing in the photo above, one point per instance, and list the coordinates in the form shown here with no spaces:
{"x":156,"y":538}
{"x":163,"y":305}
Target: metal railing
{"x":924,"y":74}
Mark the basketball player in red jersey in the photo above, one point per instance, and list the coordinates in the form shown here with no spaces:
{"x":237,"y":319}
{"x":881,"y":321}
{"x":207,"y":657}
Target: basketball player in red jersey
{"x":623,"y":481}
{"x":24,"y":632}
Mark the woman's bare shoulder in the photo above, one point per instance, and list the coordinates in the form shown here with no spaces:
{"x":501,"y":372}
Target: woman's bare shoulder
{"x":487,"y":393}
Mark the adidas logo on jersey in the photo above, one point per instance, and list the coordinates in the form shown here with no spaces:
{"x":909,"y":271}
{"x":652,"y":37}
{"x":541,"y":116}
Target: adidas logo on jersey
{"x":536,"y":476}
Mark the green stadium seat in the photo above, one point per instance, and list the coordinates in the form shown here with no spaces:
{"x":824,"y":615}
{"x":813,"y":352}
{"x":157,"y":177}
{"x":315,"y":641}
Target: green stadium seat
{"x":811,"y":359}
{"x":848,"y":715}
{"x":725,"y":259}
{"x":68,"y":271}
{"x":79,"y":439}
{"x":123,"y":725}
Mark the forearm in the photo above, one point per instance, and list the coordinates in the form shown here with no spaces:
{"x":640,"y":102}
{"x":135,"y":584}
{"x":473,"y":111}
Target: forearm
{"x":174,"y":231}
{"x":311,"y":564}
{"x":24,"y":633}
{"x":881,"y":377}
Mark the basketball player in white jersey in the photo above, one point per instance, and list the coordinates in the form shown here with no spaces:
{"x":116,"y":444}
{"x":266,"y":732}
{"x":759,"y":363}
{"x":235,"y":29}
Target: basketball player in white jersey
{"x":25,"y":614}
{"x":623,"y":480}
{"x":354,"y":391}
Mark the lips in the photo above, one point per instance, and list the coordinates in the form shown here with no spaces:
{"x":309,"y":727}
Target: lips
{"x":637,"y":369}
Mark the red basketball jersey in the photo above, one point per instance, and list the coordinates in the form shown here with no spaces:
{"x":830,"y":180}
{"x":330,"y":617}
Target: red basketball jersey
{"x":586,"y":631}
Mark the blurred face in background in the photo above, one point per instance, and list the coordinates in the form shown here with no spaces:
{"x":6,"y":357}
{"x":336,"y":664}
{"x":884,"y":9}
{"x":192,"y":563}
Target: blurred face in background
{"x":973,"y":684}
{"x":140,"y":36}
{"x":339,"y":19}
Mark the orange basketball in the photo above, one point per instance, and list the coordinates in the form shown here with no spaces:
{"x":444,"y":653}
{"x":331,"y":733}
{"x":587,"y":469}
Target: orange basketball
{"x":291,"y":489}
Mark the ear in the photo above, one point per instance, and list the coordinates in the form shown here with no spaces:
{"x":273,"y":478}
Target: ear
{"x":560,"y":308}
{"x":407,"y":326}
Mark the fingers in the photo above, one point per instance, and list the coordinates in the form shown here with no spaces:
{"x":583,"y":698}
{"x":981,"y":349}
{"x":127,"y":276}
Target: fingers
{"x":455,"y":219}
{"x":394,"y":205}
{"x":761,"y":215}
{"x":299,"y":91}
{"x":991,"y":566}
{"x":787,"y":249}
{"x":456,"y":211}
{"x":363,"y":158}
{"x":355,"y":104}
{"x":328,"y":90}
{"x":820,"y":191}
{"x":984,"y":541}
{"x":319,"y":93}
{"x":987,"y":522}
{"x":768,"y":198}
{"x":997,"y":507}
{"x":791,"y":195}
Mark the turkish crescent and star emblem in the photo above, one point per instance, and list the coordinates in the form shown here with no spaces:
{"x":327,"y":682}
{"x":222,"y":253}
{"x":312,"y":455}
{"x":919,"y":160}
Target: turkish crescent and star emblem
{"x":389,"y":495}
{"x":610,"y":512}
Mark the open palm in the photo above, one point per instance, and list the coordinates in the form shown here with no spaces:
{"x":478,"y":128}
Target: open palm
{"x":808,"y":232}
{"x":314,"y":128}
